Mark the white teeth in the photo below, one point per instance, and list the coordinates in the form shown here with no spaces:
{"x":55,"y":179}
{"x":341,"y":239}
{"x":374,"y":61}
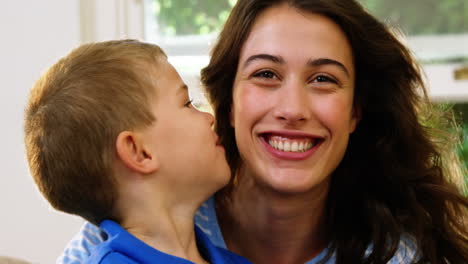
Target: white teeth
{"x":294,"y":147}
{"x":290,"y":145}
{"x":287,"y":146}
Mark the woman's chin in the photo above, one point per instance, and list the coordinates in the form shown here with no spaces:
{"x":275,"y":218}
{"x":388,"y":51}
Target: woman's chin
{"x":294,"y":182}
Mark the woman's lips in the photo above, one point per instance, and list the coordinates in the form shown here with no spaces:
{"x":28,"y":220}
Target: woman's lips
{"x":290,"y":146}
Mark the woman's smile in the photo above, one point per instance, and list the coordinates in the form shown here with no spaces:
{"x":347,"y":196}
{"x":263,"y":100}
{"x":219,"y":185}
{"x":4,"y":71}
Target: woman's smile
{"x":290,"y":145}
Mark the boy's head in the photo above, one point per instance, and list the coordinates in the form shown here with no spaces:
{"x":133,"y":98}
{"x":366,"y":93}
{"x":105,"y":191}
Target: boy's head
{"x":109,"y":113}
{"x":74,"y":114}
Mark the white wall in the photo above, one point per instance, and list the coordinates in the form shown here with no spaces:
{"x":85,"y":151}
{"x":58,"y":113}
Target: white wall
{"x":34,"y":34}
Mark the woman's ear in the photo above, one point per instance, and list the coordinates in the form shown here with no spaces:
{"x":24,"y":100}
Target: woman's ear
{"x":132,"y":151}
{"x":356,"y":116}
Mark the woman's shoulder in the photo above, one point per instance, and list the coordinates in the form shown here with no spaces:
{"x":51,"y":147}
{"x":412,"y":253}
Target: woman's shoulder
{"x":207,"y":220}
{"x":407,"y":251}
{"x":81,"y":245}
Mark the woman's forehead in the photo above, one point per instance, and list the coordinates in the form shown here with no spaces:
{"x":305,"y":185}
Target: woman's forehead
{"x":287,"y":32}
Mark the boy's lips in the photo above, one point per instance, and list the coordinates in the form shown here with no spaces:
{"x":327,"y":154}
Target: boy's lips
{"x":217,"y":143}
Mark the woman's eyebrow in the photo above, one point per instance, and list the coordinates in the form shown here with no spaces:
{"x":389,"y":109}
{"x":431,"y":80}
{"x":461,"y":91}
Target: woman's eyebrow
{"x":327,"y":61}
{"x":311,"y":62}
{"x":263,"y":56}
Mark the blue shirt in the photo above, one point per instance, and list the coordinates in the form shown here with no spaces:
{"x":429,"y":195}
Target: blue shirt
{"x":122,"y":247}
{"x":79,"y":248}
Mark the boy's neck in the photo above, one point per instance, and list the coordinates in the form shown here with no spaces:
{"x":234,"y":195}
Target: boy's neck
{"x":168,"y":228}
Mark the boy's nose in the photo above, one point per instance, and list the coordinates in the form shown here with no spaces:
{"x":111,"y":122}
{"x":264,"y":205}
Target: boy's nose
{"x":210,"y":118}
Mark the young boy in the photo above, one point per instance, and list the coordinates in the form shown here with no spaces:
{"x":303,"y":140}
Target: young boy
{"x":111,"y":135}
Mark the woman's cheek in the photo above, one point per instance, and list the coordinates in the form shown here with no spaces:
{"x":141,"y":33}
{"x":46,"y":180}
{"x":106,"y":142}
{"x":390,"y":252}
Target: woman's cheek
{"x":334,"y":111}
{"x":250,"y":102}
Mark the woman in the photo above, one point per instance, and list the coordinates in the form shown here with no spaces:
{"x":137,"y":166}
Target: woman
{"x":322,"y":113}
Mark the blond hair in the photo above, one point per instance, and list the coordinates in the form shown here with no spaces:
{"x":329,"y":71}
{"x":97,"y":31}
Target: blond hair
{"x":74,"y":114}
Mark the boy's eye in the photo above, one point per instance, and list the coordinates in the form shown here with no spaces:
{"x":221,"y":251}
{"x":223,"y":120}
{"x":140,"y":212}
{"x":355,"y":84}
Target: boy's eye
{"x":189,"y":103}
{"x":265,"y":75}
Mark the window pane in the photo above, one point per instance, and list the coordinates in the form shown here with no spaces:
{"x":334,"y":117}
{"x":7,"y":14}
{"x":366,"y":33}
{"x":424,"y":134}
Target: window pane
{"x":435,"y":30}
{"x":190,"y":17}
{"x":437,"y":33}
{"x":422,"y":17}
{"x":461,"y":110}
{"x":185,"y":29}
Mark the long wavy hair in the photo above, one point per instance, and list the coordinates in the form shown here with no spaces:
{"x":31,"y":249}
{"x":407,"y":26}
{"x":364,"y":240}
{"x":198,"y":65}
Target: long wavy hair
{"x":399,"y":176}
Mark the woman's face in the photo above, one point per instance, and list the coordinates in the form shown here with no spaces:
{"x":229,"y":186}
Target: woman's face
{"x":293,"y":100}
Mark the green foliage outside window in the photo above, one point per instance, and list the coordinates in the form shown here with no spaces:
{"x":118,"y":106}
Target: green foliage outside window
{"x":461,"y":111}
{"x":191,"y":17}
{"x":422,"y":17}
{"x":180,"y":17}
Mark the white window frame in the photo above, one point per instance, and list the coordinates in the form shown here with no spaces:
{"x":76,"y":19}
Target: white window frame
{"x":111,"y":19}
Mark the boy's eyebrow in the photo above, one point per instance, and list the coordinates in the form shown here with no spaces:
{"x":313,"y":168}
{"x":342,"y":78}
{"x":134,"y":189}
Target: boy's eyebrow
{"x":183,"y":87}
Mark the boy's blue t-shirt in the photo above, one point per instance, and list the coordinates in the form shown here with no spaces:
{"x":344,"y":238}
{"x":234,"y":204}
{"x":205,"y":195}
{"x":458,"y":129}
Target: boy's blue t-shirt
{"x":122,"y":247}
{"x":90,"y":236}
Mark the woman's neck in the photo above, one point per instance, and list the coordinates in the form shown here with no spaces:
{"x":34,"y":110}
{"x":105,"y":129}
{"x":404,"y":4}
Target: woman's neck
{"x":257,"y":221}
{"x":168,"y":229}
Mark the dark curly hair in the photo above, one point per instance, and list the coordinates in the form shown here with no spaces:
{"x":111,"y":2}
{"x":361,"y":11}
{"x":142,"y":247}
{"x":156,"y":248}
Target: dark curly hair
{"x":399,"y":175}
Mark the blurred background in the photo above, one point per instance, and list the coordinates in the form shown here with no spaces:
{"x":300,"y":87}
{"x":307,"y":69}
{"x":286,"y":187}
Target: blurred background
{"x":37,"y":33}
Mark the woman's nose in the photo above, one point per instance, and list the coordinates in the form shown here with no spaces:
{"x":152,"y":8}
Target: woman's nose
{"x":292,"y":104}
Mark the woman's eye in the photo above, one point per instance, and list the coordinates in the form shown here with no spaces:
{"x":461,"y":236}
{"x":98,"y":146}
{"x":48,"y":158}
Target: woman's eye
{"x":324,"y":78}
{"x":265,"y":75}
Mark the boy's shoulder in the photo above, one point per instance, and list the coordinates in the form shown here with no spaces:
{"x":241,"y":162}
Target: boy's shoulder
{"x":91,"y":236}
{"x":123,"y":247}
{"x":113,"y":258}
{"x":105,"y":254}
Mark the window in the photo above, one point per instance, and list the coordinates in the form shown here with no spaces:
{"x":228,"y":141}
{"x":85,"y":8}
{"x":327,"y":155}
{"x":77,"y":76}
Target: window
{"x":186,"y":29}
{"x":436,"y":30}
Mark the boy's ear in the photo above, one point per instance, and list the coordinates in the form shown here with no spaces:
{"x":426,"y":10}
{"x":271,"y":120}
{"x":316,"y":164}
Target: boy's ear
{"x":132,"y":151}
